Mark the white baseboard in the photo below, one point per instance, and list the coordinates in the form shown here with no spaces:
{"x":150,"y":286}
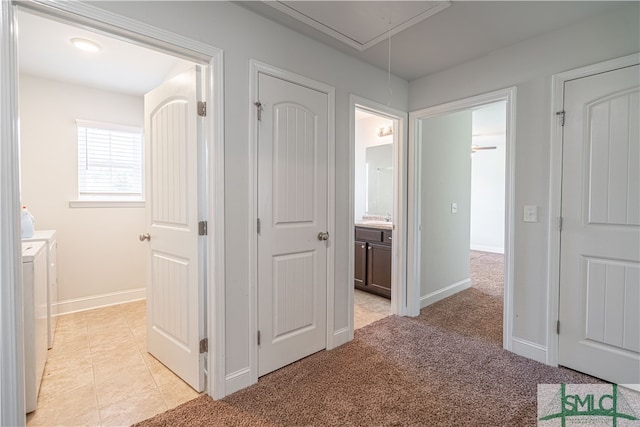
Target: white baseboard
{"x":98,"y":301}
{"x":340,"y":337}
{"x":236,"y":381}
{"x":529,"y":349}
{"x":492,"y":249}
{"x":447,"y":291}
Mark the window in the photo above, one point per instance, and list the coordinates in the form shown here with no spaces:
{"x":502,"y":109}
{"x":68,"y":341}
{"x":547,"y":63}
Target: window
{"x":109,"y":162}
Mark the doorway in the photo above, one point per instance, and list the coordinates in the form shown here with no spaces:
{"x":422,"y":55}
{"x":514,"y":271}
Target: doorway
{"x":99,"y":120}
{"x":373,"y":205}
{"x":377,"y":266}
{"x":200,"y":53}
{"x":441,"y":199}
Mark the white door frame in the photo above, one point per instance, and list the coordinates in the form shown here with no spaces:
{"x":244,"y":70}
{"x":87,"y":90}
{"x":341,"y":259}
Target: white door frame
{"x":136,"y":32}
{"x":398,"y":255}
{"x":555,"y":191}
{"x":12,"y":399}
{"x":256,"y":67}
{"x":414,"y":233}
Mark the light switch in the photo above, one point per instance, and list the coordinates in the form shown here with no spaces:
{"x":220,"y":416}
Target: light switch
{"x":454,"y":208}
{"x":530,"y":213}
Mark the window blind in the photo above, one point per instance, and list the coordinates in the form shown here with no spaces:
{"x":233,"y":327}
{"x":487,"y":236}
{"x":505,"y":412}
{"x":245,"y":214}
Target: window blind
{"x":109,"y":161}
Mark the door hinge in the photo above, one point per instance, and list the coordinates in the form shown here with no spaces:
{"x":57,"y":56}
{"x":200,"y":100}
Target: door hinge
{"x":561,"y":115}
{"x":258,"y":226}
{"x":259,"y":109}
{"x":204,"y":345}
{"x":202,"y":228}
{"x":259,"y":341}
{"x":559,"y":223}
{"x":202,"y":108}
{"x":558,"y":327}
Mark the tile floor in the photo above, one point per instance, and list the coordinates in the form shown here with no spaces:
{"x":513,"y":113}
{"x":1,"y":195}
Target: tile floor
{"x":100,"y":374}
{"x":368,"y":308}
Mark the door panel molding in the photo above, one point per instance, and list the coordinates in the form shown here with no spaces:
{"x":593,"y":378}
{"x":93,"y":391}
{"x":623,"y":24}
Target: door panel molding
{"x":555,"y":190}
{"x":334,"y":338}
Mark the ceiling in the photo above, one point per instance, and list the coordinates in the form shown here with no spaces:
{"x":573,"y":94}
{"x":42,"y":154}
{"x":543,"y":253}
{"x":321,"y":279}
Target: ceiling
{"x":463,"y":31}
{"x":426,"y":37}
{"x":360,"y":24}
{"x":45,"y":50}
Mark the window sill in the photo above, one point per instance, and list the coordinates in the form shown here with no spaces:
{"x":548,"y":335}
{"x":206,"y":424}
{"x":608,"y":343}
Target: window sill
{"x":106,"y":203}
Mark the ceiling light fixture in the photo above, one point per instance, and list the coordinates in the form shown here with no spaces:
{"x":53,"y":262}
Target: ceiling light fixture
{"x":85,"y":44}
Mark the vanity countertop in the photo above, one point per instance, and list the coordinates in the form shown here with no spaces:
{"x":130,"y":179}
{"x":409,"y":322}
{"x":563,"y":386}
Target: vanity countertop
{"x":382,"y":225}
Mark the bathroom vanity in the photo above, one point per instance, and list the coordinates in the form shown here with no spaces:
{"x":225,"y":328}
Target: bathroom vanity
{"x":372,"y":269}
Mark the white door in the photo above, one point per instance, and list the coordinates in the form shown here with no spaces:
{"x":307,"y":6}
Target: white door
{"x":600,"y":240}
{"x":171,"y":173}
{"x":292,"y":208}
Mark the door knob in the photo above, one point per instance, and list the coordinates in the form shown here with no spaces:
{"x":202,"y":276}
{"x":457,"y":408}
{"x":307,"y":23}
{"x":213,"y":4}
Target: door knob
{"x":323,"y":235}
{"x":145,"y":236}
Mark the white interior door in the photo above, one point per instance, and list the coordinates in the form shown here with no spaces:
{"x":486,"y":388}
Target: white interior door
{"x":600,"y":240}
{"x":171,"y":173}
{"x":292,"y":208}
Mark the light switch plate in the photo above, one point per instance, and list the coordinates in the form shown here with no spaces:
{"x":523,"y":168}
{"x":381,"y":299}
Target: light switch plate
{"x":530,"y":213}
{"x":454,"y":208}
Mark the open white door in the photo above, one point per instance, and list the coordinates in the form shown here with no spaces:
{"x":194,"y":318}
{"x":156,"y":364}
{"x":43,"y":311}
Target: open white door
{"x":600,"y":240}
{"x":172,"y":132}
{"x":292,"y":209}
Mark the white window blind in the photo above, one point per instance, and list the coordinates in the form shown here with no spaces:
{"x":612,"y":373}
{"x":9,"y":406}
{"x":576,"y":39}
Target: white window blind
{"x":109,"y":161}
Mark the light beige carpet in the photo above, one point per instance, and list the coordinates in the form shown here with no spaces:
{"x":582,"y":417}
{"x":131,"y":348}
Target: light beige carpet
{"x":445,"y":367}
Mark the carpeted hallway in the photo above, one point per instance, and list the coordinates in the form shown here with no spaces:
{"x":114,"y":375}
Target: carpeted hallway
{"x":477,"y":311}
{"x":445,"y":367}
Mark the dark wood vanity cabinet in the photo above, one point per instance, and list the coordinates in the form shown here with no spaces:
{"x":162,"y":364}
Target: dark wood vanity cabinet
{"x":360,"y":265}
{"x":372,"y":269}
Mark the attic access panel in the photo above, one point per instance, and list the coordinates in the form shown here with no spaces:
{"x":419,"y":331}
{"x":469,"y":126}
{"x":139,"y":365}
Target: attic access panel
{"x":360,"y":24}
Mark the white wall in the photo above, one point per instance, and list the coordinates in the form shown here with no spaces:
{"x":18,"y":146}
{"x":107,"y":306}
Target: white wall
{"x":529,"y":65}
{"x":488,"y":179}
{"x":445,"y":174}
{"x":244,"y":35}
{"x":98,"y":248}
{"x":366,"y":136}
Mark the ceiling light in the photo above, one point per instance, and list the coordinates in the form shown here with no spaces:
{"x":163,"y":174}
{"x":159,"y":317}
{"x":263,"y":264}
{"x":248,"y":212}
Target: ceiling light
{"x":85,"y":44}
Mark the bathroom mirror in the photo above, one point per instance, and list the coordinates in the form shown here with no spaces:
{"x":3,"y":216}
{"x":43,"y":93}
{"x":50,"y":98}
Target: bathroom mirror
{"x":379,"y":169}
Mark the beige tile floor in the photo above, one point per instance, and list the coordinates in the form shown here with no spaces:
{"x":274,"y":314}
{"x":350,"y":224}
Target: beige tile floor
{"x":368,"y":308}
{"x":100,"y":374}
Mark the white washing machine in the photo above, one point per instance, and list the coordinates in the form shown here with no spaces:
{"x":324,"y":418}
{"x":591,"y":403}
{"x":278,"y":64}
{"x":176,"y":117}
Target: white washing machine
{"x":49,"y":237}
{"x":34,"y":294}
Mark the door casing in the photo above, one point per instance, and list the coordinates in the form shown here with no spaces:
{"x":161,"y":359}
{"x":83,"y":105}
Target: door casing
{"x":334,"y":338}
{"x":555,"y":191}
{"x":89,"y":16}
